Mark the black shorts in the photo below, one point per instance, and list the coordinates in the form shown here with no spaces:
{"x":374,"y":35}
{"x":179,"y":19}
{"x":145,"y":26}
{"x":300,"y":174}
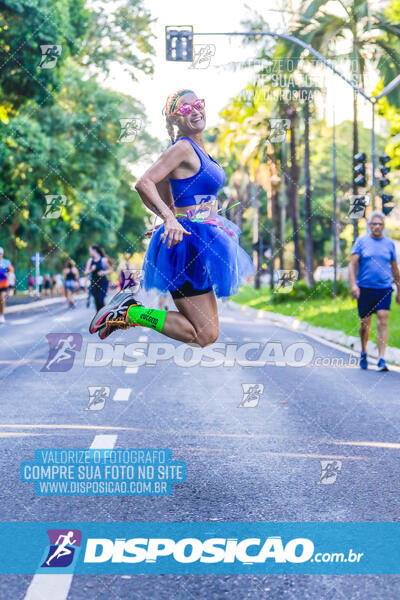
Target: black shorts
{"x":188,"y":290}
{"x":372,"y":300}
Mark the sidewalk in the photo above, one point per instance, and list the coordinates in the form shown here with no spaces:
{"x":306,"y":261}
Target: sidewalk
{"x":17,"y":304}
{"x":392,"y":354}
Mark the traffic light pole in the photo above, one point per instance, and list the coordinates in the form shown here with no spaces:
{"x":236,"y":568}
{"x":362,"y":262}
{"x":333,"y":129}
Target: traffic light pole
{"x":373,"y":155}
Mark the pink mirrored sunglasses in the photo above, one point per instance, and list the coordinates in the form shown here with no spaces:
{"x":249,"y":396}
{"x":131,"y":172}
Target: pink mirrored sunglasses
{"x":186,"y":109}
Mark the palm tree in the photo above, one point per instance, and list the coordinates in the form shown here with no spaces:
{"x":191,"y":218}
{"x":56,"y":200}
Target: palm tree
{"x":321,"y":24}
{"x":243,"y":135}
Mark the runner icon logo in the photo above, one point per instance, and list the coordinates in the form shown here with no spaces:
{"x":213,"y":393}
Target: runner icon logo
{"x":62,"y":351}
{"x":330,"y":469}
{"x":50,"y":54}
{"x":130,"y":278}
{"x":97,"y":397}
{"x":203,"y":54}
{"x":129,"y":129}
{"x":63,"y":548}
{"x":54,"y":204}
{"x":251,"y":394}
{"x":286,"y":280}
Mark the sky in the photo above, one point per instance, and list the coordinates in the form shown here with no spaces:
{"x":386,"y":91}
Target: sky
{"x":216,"y":83}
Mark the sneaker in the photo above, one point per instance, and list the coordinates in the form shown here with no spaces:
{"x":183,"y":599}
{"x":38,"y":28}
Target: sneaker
{"x":114,"y":314}
{"x":2,"y":319}
{"x":382,"y":365}
{"x":363,"y":360}
{"x":109,"y":328}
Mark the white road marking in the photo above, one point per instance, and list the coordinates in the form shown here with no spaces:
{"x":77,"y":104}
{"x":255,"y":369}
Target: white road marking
{"x":122,"y":394}
{"x":143,"y":338}
{"x":57,"y":586}
{"x":103,"y":441}
{"x":130,"y":370}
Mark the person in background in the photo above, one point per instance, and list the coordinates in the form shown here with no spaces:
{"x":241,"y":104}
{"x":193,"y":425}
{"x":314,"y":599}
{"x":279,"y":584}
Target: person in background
{"x":372,"y":270}
{"x":58,"y":278}
{"x":11,"y":283}
{"x":54,"y":285}
{"x":31,"y":284}
{"x":71,"y":279}
{"x":47,"y":284}
{"x":40,"y":283}
{"x":98,"y":267}
{"x":5,"y":268}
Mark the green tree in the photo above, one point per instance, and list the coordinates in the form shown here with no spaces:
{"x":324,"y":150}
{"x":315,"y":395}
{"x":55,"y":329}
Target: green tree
{"x":60,"y":131}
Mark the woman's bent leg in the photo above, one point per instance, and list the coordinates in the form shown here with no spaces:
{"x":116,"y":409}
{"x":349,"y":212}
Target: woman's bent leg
{"x":196,"y":320}
{"x":202,"y":313}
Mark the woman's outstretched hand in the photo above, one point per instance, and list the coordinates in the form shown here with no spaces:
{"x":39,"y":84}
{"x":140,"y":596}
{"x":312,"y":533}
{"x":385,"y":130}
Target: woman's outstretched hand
{"x":175,"y":232}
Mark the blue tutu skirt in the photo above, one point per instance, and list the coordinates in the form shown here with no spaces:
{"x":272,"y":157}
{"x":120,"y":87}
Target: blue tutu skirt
{"x":210,"y":257}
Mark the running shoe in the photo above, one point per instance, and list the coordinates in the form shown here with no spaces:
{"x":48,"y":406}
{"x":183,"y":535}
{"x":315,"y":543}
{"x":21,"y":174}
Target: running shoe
{"x":382,"y":365}
{"x":363,"y":360}
{"x":113,"y":315}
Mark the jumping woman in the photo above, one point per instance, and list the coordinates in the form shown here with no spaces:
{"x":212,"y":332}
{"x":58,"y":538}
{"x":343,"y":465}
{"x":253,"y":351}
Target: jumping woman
{"x":195,"y":255}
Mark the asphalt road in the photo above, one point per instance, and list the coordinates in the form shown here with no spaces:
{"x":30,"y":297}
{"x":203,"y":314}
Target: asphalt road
{"x":244,"y":463}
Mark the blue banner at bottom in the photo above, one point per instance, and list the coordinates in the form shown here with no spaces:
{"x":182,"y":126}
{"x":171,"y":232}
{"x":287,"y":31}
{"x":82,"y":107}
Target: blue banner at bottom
{"x":200,"y":547}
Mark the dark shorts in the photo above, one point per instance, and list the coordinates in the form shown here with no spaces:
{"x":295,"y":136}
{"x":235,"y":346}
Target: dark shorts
{"x":70,"y":285}
{"x":188,"y":290}
{"x":373,"y":299}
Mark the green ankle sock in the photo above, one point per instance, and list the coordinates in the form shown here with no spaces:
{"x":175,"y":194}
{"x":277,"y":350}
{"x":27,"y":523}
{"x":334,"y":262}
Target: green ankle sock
{"x":149,"y":317}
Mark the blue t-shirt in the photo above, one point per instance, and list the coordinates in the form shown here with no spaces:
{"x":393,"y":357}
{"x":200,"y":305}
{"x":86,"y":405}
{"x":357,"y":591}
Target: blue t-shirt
{"x":4,"y":267}
{"x":374,"y":267}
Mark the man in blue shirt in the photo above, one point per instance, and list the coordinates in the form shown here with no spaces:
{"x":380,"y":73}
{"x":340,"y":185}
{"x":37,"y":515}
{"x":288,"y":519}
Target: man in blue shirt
{"x":374,"y":255}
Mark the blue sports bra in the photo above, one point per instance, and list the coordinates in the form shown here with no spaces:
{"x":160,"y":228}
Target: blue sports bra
{"x":198,"y":187}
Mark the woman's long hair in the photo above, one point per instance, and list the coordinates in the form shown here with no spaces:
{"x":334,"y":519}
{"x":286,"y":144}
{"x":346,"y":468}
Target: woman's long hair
{"x":98,"y":249}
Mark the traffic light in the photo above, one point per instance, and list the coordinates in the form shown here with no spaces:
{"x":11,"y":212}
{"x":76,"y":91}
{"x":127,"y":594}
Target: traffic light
{"x":359,"y":169}
{"x":387,"y":199}
{"x":383,"y":159}
{"x":179,"y":43}
{"x":387,"y":203}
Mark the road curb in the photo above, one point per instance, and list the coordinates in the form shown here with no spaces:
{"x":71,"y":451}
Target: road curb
{"x":330,"y":335}
{"x":37,"y":304}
